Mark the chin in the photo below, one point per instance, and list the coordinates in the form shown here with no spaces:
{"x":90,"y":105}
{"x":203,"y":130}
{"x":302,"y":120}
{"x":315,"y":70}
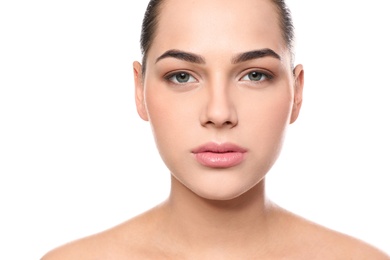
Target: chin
{"x":222,"y":189}
{"x":220,"y":196}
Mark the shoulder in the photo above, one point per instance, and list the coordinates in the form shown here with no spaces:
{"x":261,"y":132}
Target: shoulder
{"x":346,"y":247}
{"x":80,"y":249}
{"x":318,"y":242}
{"x":104,"y":245}
{"x":354,"y":248}
{"x":128,"y":238}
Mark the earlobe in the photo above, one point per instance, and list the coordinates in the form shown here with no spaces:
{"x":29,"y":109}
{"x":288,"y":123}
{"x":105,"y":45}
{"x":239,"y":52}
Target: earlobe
{"x":139,"y":91}
{"x":298,"y":89}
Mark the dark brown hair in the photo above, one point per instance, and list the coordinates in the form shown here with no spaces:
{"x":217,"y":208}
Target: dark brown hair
{"x":149,"y":26}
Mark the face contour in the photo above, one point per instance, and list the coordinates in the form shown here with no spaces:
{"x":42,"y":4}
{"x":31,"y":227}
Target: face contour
{"x":219,"y":93}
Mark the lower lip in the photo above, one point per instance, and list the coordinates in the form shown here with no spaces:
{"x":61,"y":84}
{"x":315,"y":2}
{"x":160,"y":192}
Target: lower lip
{"x":219,"y":160}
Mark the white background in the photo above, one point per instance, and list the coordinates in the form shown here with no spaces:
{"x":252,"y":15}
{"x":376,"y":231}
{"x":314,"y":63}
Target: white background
{"x":75,"y":158}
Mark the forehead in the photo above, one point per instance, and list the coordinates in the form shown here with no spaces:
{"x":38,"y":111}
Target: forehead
{"x":218,"y":25}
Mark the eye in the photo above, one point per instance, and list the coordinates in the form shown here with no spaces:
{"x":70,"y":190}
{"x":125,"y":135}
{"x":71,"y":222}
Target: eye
{"x":255,"y":76}
{"x":181,"y":77}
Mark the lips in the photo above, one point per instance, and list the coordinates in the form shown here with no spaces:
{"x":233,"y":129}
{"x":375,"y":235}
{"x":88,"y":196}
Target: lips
{"x":215,"y":155}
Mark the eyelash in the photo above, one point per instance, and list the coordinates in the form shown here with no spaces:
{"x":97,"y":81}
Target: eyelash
{"x":171,"y":77}
{"x":264,"y":76}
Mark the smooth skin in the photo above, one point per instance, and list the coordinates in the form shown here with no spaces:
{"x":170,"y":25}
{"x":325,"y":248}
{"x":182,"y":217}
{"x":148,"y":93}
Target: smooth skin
{"x":200,"y":86}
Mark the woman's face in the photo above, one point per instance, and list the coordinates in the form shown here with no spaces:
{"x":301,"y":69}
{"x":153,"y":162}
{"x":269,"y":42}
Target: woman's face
{"x":219,"y":93}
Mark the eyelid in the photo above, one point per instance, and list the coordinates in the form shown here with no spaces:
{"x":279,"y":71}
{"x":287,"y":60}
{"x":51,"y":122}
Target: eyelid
{"x":267,"y":74}
{"x":169,"y":75}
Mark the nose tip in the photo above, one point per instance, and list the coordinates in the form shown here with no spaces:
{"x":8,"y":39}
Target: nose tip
{"x":220,"y":111}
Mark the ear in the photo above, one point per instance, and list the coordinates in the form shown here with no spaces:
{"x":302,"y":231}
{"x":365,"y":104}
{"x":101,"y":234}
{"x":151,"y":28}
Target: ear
{"x":139,"y":91}
{"x":298,"y":88}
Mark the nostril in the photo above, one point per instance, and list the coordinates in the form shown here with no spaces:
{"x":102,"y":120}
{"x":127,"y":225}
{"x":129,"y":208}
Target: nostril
{"x":224,"y":123}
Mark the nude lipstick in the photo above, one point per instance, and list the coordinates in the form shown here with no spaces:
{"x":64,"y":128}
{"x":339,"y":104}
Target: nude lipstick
{"x":223,"y":155}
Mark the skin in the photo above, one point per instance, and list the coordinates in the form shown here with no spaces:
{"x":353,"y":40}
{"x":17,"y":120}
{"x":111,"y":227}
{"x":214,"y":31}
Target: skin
{"x":215,"y":213}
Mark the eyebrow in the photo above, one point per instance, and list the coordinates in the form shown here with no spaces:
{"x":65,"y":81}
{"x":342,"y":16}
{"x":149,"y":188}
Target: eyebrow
{"x":198,"y":59}
{"x":182,"y":55}
{"x":255,"y":54}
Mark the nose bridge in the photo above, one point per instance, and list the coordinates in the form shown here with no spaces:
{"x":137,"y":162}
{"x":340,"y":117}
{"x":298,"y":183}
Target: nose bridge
{"x":220,"y":108}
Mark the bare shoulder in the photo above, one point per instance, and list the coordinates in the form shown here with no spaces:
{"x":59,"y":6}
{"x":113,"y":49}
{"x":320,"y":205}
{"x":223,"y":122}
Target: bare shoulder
{"x":318,"y":242}
{"x":347,"y":246}
{"x":128,"y":238}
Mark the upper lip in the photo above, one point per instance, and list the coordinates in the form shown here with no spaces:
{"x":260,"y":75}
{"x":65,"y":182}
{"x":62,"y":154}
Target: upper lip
{"x":219,"y":148}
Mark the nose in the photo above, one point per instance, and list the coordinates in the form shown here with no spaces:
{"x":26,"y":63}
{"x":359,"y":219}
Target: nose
{"x":219,"y":110}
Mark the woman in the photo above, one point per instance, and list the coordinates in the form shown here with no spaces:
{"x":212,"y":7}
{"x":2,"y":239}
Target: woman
{"x":218,"y":85}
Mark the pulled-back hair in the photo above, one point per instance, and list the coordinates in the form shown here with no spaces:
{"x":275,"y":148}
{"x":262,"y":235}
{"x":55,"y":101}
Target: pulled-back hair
{"x":150,"y":22}
{"x":286,"y":23}
{"x":149,"y":27}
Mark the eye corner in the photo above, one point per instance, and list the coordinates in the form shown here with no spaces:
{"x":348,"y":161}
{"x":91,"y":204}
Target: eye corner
{"x":180,"y":77}
{"x":256,"y":75}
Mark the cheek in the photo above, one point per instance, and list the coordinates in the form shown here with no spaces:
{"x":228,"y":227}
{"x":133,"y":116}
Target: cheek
{"x":277,"y":113}
{"x":172,"y":121}
{"x":271,"y":108}
{"x":267,"y":120}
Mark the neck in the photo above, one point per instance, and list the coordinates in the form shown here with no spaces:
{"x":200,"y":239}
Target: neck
{"x":208,"y":223}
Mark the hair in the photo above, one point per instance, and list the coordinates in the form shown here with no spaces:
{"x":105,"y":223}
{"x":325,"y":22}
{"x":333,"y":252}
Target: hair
{"x":149,"y":26}
{"x":150,"y":22}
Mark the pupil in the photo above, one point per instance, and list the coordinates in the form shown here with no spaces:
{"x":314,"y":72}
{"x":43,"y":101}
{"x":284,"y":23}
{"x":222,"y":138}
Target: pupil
{"x":182,"y":77}
{"x":255,"y":76}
